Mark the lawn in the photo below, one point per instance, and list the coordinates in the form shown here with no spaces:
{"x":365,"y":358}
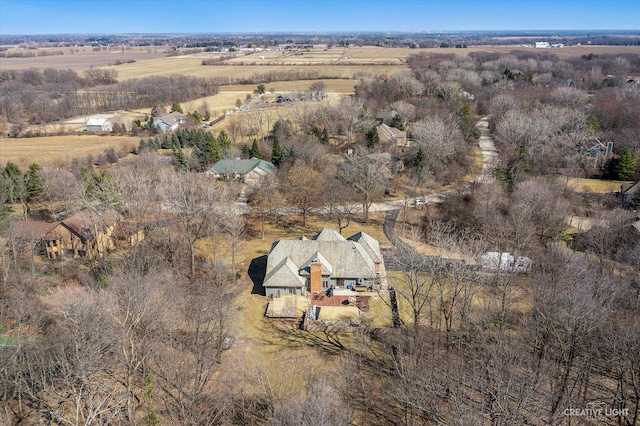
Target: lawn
{"x":594,"y":185}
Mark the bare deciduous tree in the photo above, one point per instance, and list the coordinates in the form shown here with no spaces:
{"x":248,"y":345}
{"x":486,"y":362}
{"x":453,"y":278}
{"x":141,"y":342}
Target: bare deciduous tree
{"x":368,"y":175}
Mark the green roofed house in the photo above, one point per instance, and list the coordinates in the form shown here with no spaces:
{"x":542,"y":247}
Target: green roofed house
{"x":250,"y":171}
{"x":327,"y":261}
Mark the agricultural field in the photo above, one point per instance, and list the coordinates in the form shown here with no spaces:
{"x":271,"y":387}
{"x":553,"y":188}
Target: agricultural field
{"x":60,"y":149}
{"x":335,"y":62}
{"x":82,"y":57}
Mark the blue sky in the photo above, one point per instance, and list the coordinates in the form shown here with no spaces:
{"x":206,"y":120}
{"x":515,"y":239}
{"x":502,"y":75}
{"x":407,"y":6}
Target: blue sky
{"x":197,"y":16}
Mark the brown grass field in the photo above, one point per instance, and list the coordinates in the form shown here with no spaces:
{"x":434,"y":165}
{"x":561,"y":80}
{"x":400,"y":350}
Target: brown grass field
{"x":59,"y":149}
{"x":84,"y":58}
{"x":338,"y":62}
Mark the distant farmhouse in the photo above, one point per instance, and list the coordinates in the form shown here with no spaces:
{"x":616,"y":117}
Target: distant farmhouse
{"x":326,"y":262}
{"x":98,"y":125}
{"x":250,"y":171}
{"x":169,"y":122}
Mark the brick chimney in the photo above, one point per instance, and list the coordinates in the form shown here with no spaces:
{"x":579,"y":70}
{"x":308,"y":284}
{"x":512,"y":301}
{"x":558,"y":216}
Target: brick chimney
{"x":316,"y":277}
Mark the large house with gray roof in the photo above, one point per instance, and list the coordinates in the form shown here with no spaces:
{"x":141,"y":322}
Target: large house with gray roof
{"x":327,"y":261}
{"x":250,"y":171}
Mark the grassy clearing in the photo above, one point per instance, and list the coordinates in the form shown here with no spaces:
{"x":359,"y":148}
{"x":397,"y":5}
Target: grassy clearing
{"x":594,"y":185}
{"x":55,"y":149}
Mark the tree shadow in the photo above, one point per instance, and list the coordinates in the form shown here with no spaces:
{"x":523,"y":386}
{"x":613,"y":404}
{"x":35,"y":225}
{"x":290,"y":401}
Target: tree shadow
{"x":257,"y":271}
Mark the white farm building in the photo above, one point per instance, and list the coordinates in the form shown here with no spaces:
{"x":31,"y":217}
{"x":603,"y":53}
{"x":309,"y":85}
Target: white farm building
{"x":97,"y":125}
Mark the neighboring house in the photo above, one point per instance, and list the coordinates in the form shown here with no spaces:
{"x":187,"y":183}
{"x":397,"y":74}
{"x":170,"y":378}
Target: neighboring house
{"x":496,"y":261}
{"x":169,"y":122}
{"x":41,"y":237}
{"x":85,"y":234}
{"x":250,"y":171}
{"x":97,"y":125}
{"x":386,"y":117}
{"x":327,"y":261}
{"x":596,"y":149}
{"x":629,"y":191}
{"x":128,"y":234}
{"x":88,"y":233}
{"x":542,"y":45}
{"x":392,"y":135}
{"x":287,"y":97}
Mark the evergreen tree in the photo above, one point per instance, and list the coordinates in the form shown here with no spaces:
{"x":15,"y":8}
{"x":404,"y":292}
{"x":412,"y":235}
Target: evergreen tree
{"x":276,"y":152}
{"x":594,"y":124}
{"x":179,"y":159}
{"x":255,"y":150}
{"x":420,"y":165}
{"x":198,"y":156}
{"x":35,"y":180}
{"x":176,"y":107}
{"x":373,"y":138}
{"x":13,"y":178}
{"x":246,"y":151}
{"x":224,"y":141}
{"x":166,"y":142}
{"x":175,"y":141}
{"x":626,"y":166}
{"x":156,"y":142}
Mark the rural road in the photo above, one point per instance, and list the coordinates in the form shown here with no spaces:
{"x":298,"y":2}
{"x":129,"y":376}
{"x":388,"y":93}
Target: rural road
{"x":488,"y":148}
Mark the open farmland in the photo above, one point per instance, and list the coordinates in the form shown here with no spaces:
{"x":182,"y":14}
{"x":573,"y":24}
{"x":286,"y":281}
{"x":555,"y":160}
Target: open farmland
{"x":52,"y":149}
{"x":77,"y":58}
{"x":335,"y":62}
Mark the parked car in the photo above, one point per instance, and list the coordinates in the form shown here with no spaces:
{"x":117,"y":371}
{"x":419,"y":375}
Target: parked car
{"x":419,"y":202}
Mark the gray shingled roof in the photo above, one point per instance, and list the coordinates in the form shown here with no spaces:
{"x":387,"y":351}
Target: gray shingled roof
{"x":240,"y":166}
{"x":285,"y":274}
{"x":329,"y":234}
{"x":370,"y":244}
{"x":327,"y":269}
{"x":341,"y":258}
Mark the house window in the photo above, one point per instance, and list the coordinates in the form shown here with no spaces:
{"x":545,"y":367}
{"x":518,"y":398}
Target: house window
{"x":326,"y":283}
{"x":292,"y":290}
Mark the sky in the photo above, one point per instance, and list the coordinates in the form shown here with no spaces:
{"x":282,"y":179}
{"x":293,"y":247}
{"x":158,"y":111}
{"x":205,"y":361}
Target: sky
{"x":227,"y":16}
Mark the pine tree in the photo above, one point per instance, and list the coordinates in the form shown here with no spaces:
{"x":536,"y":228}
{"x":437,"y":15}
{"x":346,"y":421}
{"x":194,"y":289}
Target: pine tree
{"x":246,"y":151}
{"x":420,"y":164}
{"x":276,"y":153}
{"x":179,"y":159}
{"x":35,"y":180}
{"x":373,"y":138}
{"x":255,"y":150}
{"x":626,"y":166}
{"x":176,"y":107}
{"x":224,"y":141}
